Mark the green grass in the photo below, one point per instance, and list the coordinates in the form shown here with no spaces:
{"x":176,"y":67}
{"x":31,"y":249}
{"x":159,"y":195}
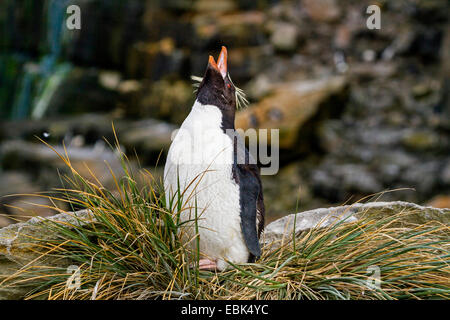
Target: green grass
{"x":131,"y":249}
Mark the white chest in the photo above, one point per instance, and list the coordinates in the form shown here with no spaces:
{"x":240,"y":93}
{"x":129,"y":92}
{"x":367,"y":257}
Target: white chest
{"x":200,"y":162}
{"x":200,"y":139}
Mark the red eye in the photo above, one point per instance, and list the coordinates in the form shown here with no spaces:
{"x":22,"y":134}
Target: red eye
{"x":228,"y":85}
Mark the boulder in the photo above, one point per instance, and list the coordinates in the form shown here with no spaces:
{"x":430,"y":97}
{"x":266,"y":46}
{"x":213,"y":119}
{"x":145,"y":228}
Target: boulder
{"x":421,"y":140}
{"x":17,"y":247}
{"x":153,"y":60}
{"x":289,"y":106}
{"x":285,"y":190}
{"x":17,"y":240}
{"x":23,"y":207}
{"x":170,"y":100}
{"x":237,"y":30}
{"x":216,"y":6}
{"x":323,"y":10}
{"x":148,"y":135}
{"x":4,"y":220}
{"x":91,"y":128}
{"x":15,"y":182}
{"x":440,"y":201}
{"x":284,"y":228}
{"x":41,"y":162}
{"x":284,"y":36}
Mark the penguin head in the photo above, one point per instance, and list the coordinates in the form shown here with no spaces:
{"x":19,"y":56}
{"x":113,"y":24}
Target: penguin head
{"x":216,"y":87}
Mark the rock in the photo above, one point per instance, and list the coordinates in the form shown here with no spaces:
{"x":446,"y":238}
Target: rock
{"x":373,"y":98}
{"x":322,"y":10}
{"x":47,"y":171}
{"x":133,"y":60}
{"x":445,"y":177}
{"x":284,"y":191}
{"x":91,"y":129}
{"x":339,"y":181}
{"x":216,"y":6}
{"x":332,"y":135}
{"x":109,"y":79}
{"x":17,"y":247}
{"x":237,"y":30}
{"x":82,"y":91}
{"x":14,"y":202}
{"x":17,"y":241}
{"x":15,"y":182}
{"x":168,"y":100}
{"x":22,"y":208}
{"x":148,"y":135}
{"x":154,"y":60}
{"x":392,"y":164}
{"x":424,"y":177}
{"x":400,"y":45}
{"x":4,"y":220}
{"x":283,"y":228}
{"x":381,"y":69}
{"x":284,"y":36}
{"x":129,"y":86}
{"x":441,"y":201}
{"x":259,"y":87}
{"x":92,"y":126}
{"x":289,"y":106}
{"x":42,"y":162}
{"x":427,"y":44}
{"x":421,"y":90}
{"x":421,"y":140}
{"x":343,"y":37}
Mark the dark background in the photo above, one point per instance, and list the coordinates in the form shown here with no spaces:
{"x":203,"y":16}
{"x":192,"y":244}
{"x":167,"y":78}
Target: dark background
{"x":359,"y":111}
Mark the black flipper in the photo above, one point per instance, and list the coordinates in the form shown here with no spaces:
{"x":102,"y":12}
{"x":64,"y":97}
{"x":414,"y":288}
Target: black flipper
{"x":246,"y":174}
{"x":249,"y":190}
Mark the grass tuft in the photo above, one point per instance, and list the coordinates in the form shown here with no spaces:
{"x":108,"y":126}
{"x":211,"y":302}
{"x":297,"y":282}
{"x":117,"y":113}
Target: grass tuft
{"x":131,"y":249}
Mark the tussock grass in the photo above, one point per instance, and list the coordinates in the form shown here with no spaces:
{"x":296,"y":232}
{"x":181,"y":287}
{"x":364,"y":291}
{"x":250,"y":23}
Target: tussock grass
{"x":131,"y":250}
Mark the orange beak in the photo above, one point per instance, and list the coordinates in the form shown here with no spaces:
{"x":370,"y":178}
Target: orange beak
{"x":221,"y":64}
{"x":212,"y":62}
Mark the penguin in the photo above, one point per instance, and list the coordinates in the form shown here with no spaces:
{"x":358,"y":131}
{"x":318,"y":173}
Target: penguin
{"x":212,"y":177}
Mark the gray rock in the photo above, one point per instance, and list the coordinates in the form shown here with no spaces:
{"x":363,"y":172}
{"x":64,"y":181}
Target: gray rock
{"x":290,"y":105}
{"x":4,"y":220}
{"x":284,"y":228}
{"x":34,"y":156}
{"x":148,"y":134}
{"x":421,"y":140}
{"x":91,"y":127}
{"x":15,"y":182}
{"x":333,"y":180}
{"x":446,"y":174}
{"x":17,"y":240}
{"x":424,"y":177}
{"x":17,"y":247}
{"x":323,"y":10}
{"x":284,"y":36}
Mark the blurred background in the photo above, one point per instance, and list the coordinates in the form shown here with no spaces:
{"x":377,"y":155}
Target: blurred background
{"x":359,"y":111}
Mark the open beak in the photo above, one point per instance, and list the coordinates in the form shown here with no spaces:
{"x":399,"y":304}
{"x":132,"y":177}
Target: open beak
{"x":221,"y":64}
{"x":222,"y":61}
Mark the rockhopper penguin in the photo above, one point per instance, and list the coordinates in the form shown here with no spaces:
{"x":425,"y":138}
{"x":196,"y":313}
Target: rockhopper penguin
{"x":218,"y":180}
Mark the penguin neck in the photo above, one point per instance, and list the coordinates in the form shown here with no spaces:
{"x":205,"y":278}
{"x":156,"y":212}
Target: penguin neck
{"x":228,"y":115}
{"x":228,"y":119}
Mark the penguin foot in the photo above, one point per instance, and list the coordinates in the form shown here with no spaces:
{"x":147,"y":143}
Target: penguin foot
{"x":207,"y":264}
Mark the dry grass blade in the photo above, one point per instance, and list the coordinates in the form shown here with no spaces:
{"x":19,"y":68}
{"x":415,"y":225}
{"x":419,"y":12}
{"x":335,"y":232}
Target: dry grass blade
{"x":132,"y":250}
